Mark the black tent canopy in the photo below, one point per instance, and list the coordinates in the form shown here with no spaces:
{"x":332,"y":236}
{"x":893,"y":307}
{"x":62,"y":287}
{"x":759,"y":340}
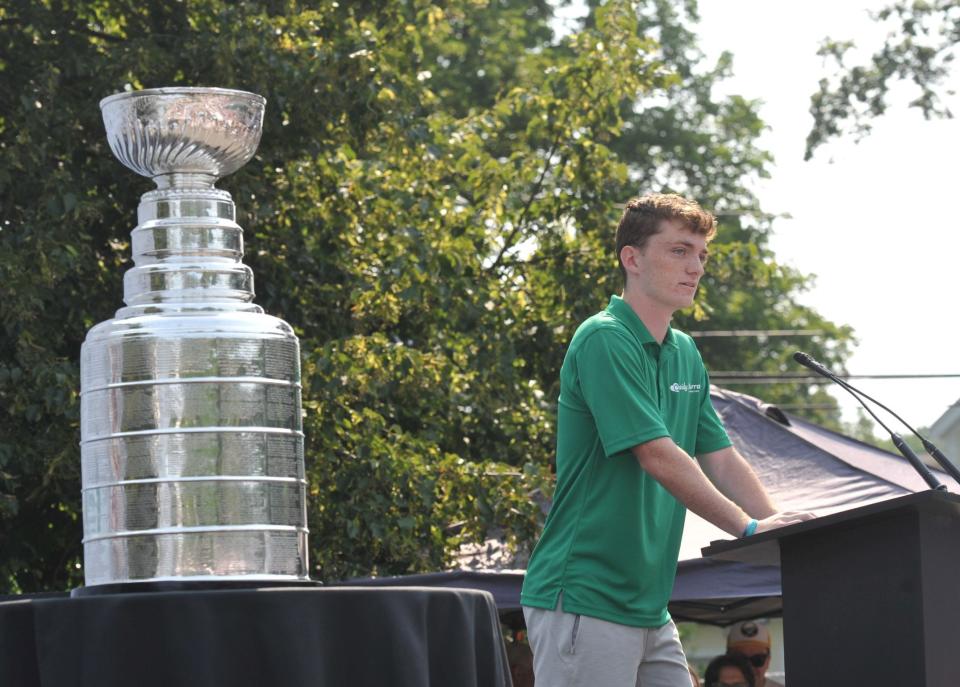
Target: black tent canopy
{"x":805,"y":466}
{"x":802,"y":465}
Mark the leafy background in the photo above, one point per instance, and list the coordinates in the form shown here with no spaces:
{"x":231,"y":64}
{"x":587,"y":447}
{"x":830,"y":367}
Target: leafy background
{"x":432,"y":207}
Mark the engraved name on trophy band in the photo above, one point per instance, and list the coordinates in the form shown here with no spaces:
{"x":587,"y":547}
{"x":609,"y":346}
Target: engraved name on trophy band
{"x":191,"y":441}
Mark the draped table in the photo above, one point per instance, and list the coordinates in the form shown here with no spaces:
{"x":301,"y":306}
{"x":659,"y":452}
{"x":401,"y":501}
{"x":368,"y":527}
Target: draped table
{"x":350,"y":636}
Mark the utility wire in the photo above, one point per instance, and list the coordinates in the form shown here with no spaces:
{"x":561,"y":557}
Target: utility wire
{"x":733,"y":381}
{"x":711,"y":333}
{"x":750,"y":377}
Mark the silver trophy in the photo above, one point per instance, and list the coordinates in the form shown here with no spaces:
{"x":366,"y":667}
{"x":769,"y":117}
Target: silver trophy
{"x":191,"y":441}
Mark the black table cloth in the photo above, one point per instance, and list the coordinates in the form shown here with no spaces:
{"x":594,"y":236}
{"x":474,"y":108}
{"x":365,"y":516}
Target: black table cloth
{"x":416,"y":637}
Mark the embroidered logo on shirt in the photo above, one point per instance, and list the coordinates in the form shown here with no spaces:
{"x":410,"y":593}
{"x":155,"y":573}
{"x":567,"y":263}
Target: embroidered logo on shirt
{"x":677,"y":387}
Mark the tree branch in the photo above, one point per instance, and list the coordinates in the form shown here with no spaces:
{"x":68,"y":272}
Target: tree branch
{"x":508,"y":242}
{"x":87,"y":31}
{"x":543,"y":258}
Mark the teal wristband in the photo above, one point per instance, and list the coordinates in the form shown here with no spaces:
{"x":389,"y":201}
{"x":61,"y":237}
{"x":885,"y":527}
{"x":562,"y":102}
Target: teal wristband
{"x":750,"y":528}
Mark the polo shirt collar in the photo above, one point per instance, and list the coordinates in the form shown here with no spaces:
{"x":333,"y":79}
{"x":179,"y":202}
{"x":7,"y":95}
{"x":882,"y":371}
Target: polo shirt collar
{"x":621,"y":310}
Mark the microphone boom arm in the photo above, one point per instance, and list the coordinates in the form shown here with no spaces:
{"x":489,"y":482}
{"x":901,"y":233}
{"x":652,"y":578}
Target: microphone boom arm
{"x":898,"y":441}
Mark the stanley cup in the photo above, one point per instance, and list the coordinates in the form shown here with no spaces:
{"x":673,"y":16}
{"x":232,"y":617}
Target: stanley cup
{"x":191,"y":436}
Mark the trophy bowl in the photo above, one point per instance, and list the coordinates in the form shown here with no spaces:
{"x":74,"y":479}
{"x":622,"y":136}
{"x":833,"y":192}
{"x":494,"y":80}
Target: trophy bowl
{"x":184,"y":137}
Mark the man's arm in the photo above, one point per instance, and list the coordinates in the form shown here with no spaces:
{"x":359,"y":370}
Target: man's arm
{"x":681,"y":476}
{"x":736,"y":480}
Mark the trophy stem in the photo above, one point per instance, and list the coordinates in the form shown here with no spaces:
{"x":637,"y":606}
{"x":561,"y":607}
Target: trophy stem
{"x":185,"y":180}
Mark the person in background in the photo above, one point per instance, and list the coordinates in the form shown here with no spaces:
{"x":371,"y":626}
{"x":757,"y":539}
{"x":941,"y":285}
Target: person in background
{"x":729,"y":670}
{"x":694,"y":678}
{"x":752,"y":641}
{"x":521,"y":660}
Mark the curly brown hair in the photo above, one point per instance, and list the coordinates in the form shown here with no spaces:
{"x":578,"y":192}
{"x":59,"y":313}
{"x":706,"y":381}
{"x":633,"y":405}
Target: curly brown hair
{"x":642,"y":217}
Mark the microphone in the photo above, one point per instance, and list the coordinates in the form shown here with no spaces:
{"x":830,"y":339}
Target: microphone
{"x":902,"y":446}
{"x":809,"y":362}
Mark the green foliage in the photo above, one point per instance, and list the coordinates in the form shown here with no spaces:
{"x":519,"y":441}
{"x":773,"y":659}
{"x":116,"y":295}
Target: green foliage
{"x":432,"y":207}
{"x":919,"y":49}
{"x":745,"y":284}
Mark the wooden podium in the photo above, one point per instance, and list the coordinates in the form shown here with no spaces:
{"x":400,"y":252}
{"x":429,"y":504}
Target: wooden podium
{"x":871,"y":596}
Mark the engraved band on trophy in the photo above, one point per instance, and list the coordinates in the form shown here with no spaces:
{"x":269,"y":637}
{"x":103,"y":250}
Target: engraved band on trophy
{"x":191,"y":435}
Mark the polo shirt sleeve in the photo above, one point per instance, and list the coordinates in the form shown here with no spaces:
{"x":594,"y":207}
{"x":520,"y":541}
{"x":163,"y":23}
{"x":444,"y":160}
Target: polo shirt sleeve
{"x":711,"y":434}
{"x":617,"y":392}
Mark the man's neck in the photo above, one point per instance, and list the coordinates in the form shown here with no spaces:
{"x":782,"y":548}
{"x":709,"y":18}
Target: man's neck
{"x":654,"y":317}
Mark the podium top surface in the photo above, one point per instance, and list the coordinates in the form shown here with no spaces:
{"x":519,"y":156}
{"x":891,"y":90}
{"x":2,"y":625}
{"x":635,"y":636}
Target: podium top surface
{"x":764,"y":548}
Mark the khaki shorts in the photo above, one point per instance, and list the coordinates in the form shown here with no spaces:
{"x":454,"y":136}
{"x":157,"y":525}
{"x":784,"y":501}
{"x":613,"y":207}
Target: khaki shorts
{"x":573,"y":650}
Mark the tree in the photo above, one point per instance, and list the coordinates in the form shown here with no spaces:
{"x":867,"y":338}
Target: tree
{"x":431,"y":207}
{"x":920,"y":48}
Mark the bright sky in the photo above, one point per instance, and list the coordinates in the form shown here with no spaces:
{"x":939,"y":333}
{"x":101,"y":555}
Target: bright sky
{"x":873,"y":221}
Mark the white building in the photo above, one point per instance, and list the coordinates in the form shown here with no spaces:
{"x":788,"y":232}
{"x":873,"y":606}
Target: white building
{"x":945,"y":433}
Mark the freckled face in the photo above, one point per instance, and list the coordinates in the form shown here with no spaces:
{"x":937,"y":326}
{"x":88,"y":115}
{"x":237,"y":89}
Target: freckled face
{"x":669,"y":267}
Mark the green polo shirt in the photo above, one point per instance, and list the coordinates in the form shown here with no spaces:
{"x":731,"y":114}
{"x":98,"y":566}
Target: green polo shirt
{"x":612,"y":537}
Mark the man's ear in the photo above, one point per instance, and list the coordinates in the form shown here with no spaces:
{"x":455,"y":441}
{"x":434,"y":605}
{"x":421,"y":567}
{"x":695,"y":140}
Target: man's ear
{"x":628,"y":258}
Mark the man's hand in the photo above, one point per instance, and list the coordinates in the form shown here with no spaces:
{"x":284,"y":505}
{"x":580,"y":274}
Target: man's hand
{"x":782,"y":519}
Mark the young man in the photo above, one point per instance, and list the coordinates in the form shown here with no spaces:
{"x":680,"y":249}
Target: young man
{"x":634,"y":407}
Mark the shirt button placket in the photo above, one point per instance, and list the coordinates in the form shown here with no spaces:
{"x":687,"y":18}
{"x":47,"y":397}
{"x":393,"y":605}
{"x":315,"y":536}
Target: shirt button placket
{"x":661,"y":391}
